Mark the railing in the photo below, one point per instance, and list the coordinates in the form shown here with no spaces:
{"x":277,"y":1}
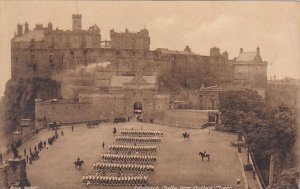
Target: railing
{"x":252,"y":159}
{"x":82,"y":122}
{"x":261,"y":181}
{"x":179,"y":124}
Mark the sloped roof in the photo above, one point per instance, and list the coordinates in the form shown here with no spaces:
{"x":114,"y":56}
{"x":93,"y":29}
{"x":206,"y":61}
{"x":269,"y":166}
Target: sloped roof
{"x":118,"y":81}
{"x":249,"y":56}
{"x":167,"y":51}
{"x":150,"y":79}
{"x":36,"y":35}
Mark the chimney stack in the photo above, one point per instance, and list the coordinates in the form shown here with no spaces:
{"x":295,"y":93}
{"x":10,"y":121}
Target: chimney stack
{"x":241,"y":50}
{"x":257,"y":50}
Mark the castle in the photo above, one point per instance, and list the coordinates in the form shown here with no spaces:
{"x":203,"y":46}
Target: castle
{"x":126,"y":70}
{"x":45,"y":51}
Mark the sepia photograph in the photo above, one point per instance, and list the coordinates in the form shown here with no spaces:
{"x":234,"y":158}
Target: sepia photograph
{"x":149,"y":94}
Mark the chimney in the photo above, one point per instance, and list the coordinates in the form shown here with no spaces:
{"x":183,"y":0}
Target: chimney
{"x":241,"y":50}
{"x":257,"y":50}
{"x":26,"y":28}
{"x":19,"y":30}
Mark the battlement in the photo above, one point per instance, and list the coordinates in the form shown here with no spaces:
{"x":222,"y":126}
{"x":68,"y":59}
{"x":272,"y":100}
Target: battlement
{"x":130,"y":40}
{"x":42,"y":37}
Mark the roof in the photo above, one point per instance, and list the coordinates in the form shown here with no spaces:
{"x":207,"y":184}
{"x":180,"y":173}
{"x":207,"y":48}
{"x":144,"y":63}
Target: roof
{"x":36,"y":35}
{"x":149,"y":79}
{"x":118,"y":81}
{"x":167,"y":51}
{"x":249,"y":56}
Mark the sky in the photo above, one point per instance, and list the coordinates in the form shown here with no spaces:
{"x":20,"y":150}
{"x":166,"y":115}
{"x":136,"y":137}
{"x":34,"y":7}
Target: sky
{"x":273,"y":26}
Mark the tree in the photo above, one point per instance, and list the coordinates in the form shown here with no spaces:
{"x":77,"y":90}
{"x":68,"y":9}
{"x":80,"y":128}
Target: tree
{"x":241,"y":108}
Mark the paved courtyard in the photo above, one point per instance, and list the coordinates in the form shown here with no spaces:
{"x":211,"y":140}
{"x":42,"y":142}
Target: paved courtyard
{"x":178,"y":162}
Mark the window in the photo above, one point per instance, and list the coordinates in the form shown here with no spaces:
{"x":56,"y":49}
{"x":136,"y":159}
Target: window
{"x":50,"y":59}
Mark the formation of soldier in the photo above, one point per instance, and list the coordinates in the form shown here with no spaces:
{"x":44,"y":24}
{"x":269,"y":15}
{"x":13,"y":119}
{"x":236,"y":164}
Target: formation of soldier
{"x":131,"y":139}
{"x":128,"y":158}
{"x":141,"y":133}
{"x":135,"y":166}
{"x":125,"y":148}
{"x":116,"y":167}
{"x":114,"y":180}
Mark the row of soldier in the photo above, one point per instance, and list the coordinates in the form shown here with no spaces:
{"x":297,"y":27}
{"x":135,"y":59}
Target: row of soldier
{"x":115,"y":167}
{"x":121,"y":148}
{"x":115,"y":181}
{"x":134,"y":132}
{"x":128,"y":158}
{"x":138,"y":139}
{"x":131,"y":165}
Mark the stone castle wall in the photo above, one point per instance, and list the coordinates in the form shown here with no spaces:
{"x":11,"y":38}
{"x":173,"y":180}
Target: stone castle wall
{"x":129,"y":40}
{"x":74,"y":111}
{"x":278,"y":93}
{"x":183,"y":118}
{"x":99,"y":106}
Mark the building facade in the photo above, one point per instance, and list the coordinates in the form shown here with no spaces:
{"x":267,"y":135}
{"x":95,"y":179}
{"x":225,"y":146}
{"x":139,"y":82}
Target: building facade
{"x":44,"y":52}
{"x":128,"y":96}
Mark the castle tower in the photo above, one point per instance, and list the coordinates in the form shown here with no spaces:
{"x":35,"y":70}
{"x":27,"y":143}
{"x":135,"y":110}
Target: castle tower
{"x":19,"y":30}
{"x":76,"y":22}
{"x":26,"y":28}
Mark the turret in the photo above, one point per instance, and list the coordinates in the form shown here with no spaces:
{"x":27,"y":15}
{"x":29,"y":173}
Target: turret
{"x":215,"y":51}
{"x":50,"y":26}
{"x":26,"y":28}
{"x":76,"y":22}
{"x":225,"y":55}
{"x":19,"y":30}
{"x":187,"y":49}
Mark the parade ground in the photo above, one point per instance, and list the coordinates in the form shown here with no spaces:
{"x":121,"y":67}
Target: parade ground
{"x":178,"y":163}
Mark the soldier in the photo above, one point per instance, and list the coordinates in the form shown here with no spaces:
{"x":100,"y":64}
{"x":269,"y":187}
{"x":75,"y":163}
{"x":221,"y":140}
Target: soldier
{"x":238,"y":182}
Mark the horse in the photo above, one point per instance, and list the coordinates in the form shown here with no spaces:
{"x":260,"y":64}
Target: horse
{"x":78,"y":164}
{"x":203,"y":155}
